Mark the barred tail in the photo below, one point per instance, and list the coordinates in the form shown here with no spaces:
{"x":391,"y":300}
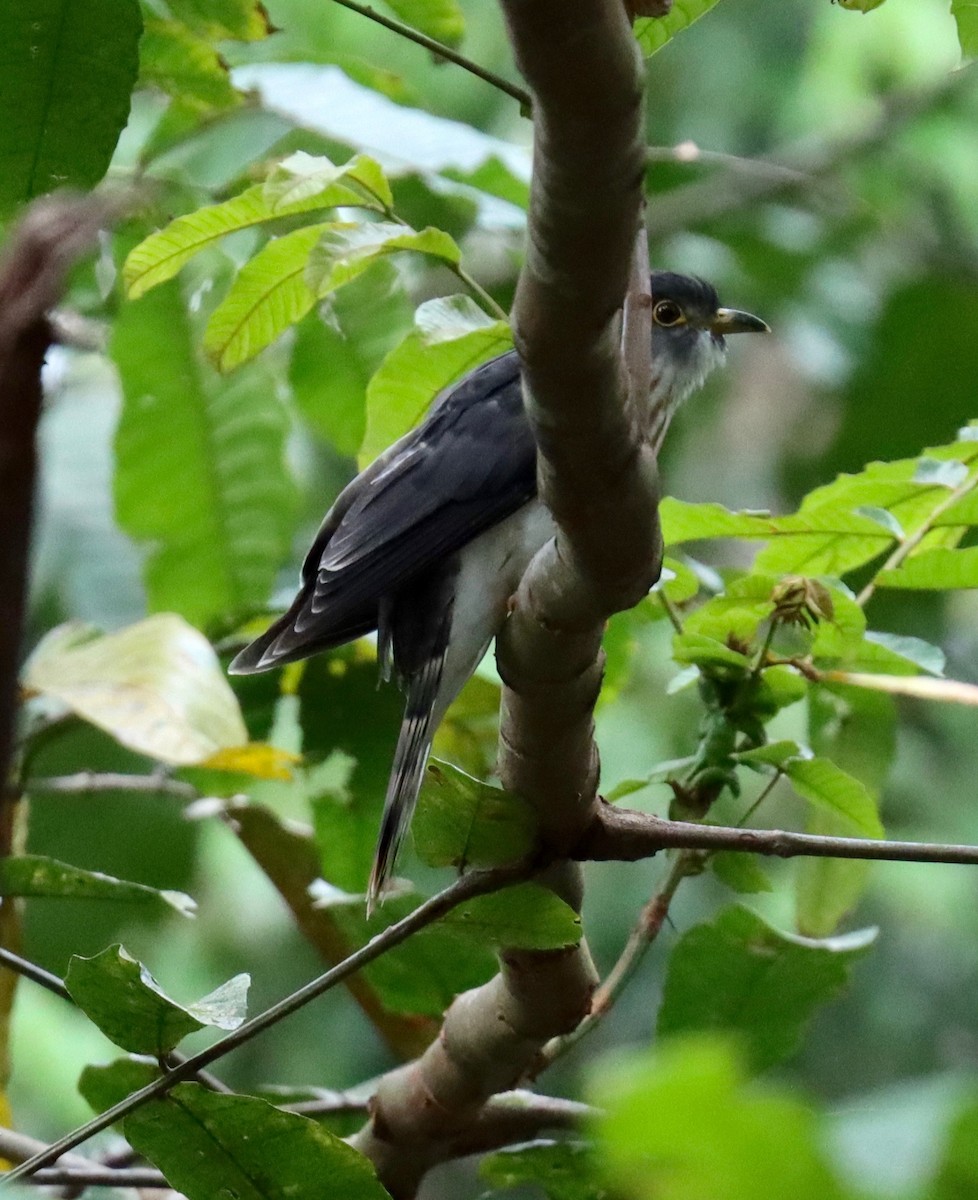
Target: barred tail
{"x":410,"y":760}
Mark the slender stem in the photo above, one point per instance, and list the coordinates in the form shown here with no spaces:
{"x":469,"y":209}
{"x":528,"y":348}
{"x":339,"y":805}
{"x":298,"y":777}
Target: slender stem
{"x":762,"y":796}
{"x":480,"y":293}
{"x":477,"y":883}
{"x":910,"y":543}
{"x":442,"y":51}
{"x":644,"y":932}
{"x":671,"y":612}
{"x":96,"y":1176}
{"x":84,"y":782}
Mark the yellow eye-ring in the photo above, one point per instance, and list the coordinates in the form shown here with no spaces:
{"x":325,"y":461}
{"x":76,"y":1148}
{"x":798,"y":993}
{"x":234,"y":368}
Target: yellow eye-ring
{"x":668,"y":313}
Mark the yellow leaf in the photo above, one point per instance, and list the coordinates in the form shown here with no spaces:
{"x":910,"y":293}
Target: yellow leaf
{"x":257,"y":759}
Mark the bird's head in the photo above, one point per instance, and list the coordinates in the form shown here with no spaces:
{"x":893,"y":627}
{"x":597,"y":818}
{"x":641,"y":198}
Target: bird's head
{"x":689,"y":330}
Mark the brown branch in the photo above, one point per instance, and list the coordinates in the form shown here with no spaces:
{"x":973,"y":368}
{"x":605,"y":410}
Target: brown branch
{"x":583,"y":68}
{"x":96,"y":1176}
{"x":623,"y":835}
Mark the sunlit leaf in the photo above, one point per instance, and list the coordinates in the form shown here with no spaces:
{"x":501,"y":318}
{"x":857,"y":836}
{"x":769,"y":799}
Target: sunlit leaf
{"x":440,"y":19}
{"x":243,"y":20}
{"x":209,"y":1145}
{"x":129,"y":1006}
{"x":966,"y":16}
{"x":256,"y":759}
{"x":302,"y":179}
{"x":34,"y":875}
{"x":451,"y":336}
{"x":934,"y":570}
{"x":346,"y":249}
{"x":738,"y":974}
{"x":156,"y":686}
{"x":67,"y":69}
{"x":655,"y":32}
{"x":268,"y":295}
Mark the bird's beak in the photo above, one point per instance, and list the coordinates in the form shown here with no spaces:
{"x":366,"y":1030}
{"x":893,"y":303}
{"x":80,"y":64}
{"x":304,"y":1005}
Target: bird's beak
{"x":731,"y":320}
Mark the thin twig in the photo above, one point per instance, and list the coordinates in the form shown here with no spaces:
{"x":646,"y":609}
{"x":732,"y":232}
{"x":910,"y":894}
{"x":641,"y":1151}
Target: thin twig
{"x":84,"y":782}
{"x":623,"y":835}
{"x":442,"y":51}
{"x":96,"y":1176}
{"x":477,"y":883}
{"x":644,"y":932}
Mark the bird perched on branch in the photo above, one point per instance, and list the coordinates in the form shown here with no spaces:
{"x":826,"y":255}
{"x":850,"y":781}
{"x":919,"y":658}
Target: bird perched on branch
{"x":429,"y":542}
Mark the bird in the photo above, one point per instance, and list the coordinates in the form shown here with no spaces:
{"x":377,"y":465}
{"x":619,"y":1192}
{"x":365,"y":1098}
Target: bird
{"x":428,"y":543}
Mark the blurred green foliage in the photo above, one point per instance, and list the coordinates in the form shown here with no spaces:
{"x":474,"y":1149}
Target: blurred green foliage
{"x":818,"y":166}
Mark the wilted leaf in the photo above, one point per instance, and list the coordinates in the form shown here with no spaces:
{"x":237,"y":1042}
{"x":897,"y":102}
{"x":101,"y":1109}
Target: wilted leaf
{"x":132,"y":1010}
{"x":157,"y":687}
{"x":209,"y":1145}
{"x":739,"y":975}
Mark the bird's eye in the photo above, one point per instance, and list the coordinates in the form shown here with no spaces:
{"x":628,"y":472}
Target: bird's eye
{"x":667,"y":313}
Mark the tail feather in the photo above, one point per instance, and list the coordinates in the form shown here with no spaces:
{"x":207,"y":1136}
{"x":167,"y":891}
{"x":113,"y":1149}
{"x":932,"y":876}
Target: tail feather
{"x":410,"y":760}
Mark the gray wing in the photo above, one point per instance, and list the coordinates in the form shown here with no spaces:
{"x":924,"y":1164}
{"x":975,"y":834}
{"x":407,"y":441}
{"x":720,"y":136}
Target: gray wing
{"x":471,"y":463}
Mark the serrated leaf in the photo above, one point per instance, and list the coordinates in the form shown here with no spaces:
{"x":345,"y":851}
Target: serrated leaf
{"x":439,"y":19}
{"x":156,"y":687}
{"x":209,"y":1145}
{"x":67,"y":70}
{"x":526,"y":916}
{"x":739,"y":975}
{"x":763,"y":1143}
{"x":129,"y":1006}
{"x":939,"y":569}
{"x":451,"y":336}
{"x":160,"y":256}
{"x":653,"y":33}
{"x":268,"y":295}
{"x":461,"y":821}
{"x":561,"y":1170}
{"x":346,"y":249}
{"x":822,"y":783}
{"x":186,"y":66}
{"x":34,"y":875}
{"x":200,"y":468}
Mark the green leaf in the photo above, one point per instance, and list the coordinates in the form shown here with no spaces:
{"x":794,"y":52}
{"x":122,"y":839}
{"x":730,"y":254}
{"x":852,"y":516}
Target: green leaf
{"x":423,"y":975}
{"x":738,"y":974}
{"x":823,"y":783}
{"x":67,"y":69}
{"x":185,"y":66}
{"x":156,"y":687}
{"x":200,"y":471}
{"x":956,"y":1177}
{"x":302,"y":179}
{"x":655,"y":32}
{"x":365,"y":320}
{"x":772,"y":754}
{"x":561,"y":1170}
{"x":160,"y":256}
{"x":268,"y":295}
{"x":209,"y":1145}
{"x":346,"y":249}
{"x":463,"y":822}
{"x":740,"y":872}
{"x":702,"y":651}
{"x":439,"y":19}
{"x":132,"y":1010}
{"x":965,"y":14}
{"x":527,"y":916}
{"x":762,"y":1144}
{"x":34,"y":875}
{"x":451,"y":336}
{"x":103,"y":1086}
{"x":243,"y":20}
{"x":495,"y":178}
{"x":939,"y":569}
